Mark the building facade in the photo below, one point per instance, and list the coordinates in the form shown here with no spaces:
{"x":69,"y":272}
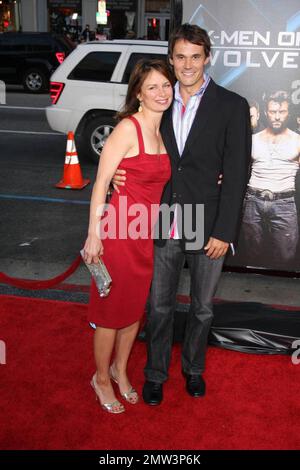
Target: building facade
{"x":125,"y":18}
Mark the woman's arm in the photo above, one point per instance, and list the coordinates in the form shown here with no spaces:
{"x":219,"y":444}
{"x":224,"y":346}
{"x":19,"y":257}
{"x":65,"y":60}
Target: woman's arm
{"x":116,"y":147}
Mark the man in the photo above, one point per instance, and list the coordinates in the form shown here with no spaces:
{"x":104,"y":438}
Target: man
{"x":206,"y":133}
{"x":270,"y":214}
{"x":255,"y":117}
{"x":86,"y":33}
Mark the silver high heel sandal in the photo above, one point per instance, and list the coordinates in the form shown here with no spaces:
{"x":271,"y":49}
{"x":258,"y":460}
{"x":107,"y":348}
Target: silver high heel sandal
{"x":131,"y":396}
{"x":109,"y":407}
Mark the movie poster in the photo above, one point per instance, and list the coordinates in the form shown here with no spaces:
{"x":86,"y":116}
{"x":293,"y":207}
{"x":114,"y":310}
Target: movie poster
{"x":256,"y":53}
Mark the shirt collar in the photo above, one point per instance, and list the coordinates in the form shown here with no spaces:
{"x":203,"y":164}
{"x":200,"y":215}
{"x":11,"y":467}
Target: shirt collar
{"x":177,"y":95}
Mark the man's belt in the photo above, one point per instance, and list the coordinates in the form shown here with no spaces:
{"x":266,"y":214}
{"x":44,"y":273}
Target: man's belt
{"x":269,"y":195}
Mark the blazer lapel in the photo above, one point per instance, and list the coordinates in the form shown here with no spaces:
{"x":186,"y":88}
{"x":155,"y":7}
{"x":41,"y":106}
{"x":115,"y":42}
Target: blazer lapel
{"x":168,"y":135}
{"x":206,"y":108}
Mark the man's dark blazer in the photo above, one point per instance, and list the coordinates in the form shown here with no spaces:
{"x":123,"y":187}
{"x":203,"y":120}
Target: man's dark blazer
{"x":219,"y":142}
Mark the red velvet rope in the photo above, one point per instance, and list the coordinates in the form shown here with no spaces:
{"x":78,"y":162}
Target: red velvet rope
{"x":30,"y":284}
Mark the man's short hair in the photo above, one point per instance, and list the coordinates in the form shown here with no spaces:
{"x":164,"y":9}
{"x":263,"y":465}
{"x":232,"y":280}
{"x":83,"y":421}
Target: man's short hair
{"x":191,"y":33}
{"x":278,"y":96}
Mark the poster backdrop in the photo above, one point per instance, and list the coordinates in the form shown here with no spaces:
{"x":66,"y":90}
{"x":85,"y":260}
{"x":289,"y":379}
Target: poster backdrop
{"x":256,"y":53}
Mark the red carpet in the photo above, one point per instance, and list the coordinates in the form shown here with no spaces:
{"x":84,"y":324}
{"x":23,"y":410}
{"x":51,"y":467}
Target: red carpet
{"x":252,"y":401}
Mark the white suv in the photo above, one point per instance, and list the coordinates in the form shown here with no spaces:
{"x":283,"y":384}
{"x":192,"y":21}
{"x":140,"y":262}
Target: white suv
{"x":90,"y":86}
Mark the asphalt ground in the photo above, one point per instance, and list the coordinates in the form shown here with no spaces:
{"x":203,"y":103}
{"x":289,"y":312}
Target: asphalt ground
{"x":42,"y":227}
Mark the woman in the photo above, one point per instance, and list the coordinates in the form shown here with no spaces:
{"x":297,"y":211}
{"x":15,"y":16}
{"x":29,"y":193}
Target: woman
{"x":136,"y":146}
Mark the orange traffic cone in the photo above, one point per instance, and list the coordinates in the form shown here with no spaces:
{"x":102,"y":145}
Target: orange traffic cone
{"x":72,"y":178}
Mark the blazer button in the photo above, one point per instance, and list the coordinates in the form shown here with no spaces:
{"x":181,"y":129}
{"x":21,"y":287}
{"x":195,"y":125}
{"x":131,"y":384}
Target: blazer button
{"x":174,"y":195}
{"x":180,"y":168}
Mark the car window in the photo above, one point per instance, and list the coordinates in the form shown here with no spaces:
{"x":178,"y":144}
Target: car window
{"x":4,"y":43}
{"x":11,"y":42}
{"x":96,"y":67}
{"x":137,"y":56}
{"x":5,"y":39}
{"x":36,"y":43}
{"x":64,"y":44}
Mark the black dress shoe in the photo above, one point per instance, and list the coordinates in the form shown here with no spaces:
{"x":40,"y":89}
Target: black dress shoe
{"x":195,"y":385}
{"x":152,"y":393}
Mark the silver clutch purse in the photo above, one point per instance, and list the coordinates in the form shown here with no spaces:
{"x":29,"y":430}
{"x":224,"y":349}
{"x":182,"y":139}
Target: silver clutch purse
{"x":100,"y":275}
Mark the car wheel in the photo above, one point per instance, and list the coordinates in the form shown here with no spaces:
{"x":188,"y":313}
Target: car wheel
{"x":35,"y":81}
{"x":95,"y":134}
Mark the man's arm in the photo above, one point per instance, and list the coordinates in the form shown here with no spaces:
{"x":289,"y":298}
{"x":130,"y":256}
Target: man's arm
{"x":119,"y":179}
{"x":236,"y":164}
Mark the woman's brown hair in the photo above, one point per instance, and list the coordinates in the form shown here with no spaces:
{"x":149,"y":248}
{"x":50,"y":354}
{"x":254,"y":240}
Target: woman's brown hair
{"x":138,"y":75}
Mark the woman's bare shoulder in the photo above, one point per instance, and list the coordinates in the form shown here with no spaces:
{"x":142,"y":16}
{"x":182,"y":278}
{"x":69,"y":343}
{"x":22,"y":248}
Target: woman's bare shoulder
{"x":122,"y":137}
{"x":124,"y":127}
